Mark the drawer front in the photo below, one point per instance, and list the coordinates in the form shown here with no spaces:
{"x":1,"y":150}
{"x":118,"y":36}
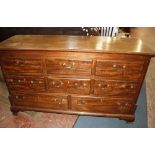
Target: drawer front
{"x":25,"y":84}
{"x":61,"y":66}
{"x":120,"y":70}
{"x":71,"y":86}
{"x":115,"y":88}
{"x":40,"y":101}
{"x":103,"y":105}
{"x":22,"y":66}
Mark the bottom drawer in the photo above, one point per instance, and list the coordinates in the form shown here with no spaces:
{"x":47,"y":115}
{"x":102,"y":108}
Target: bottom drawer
{"x":40,"y":101}
{"x":103,"y":105}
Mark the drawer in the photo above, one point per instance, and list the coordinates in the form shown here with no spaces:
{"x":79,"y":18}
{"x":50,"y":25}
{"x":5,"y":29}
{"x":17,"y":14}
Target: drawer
{"x":120,"y":69}
{"x":115,"y":88}
{"x":22,"y":66}
{"x":68,"y":67}
{"x":40,"y":101}
{"x":71,"y":86}
{"x":25,"y":84}
{"x":103,"y":105}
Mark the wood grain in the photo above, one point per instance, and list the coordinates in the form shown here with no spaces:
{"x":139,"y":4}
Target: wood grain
{"x":54,"y":77}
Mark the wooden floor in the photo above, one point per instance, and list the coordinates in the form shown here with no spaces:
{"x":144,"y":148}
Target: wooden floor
{"x":148,"y":36}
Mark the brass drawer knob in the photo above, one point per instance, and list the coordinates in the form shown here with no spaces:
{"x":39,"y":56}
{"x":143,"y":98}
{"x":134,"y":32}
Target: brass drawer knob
{"x":64,"y":64}
{"x":119,"y":103}
{"x":84,"y":84}
{"x":99,"y":84}
{"x":11,"y":80}
{"x":124,"y":85}
{"x":126,"y":104}
{"x":17,"y":62}
{"x":53,"y":83}
{"x":31,"y":82}
{"x":108,"y":85}
{"x":76,"y":84}
{"x":114,"y":66}
{"x":16,"y":97}
{"x":63,"y":101}
{"x":131,"y":86}
{"x":124,"y":66}
{"x":40,"y":82}
{"x":68,"y":66}
{"x":19,"y":81}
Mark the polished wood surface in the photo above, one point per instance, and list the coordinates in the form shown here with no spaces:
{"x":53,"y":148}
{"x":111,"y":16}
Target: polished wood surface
{"x":89,"y":83}
{"x":76,"y":43}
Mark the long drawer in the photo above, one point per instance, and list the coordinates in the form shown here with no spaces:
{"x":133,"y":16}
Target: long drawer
{"x":40,"y":101}
{"x":103,"y":105}
{"x":22,"y":66}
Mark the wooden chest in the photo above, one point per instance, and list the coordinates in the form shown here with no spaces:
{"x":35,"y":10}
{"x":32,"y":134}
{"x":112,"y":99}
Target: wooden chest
{"x":74,"y":74}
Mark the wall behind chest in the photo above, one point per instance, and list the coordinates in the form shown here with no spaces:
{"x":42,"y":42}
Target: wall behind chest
{"x":6,"y":32}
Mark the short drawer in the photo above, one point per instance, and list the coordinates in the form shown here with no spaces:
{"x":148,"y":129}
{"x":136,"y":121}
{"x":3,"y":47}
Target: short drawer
{"x":40,"y":101}
{"x":115,"y":88}
{"x":25,"y":83}
{"x":22,"y":66}
{"x":103,"y":105}
{"x":68,"y":85}
{"x":120,"y":69}
{"x":68,"y":67}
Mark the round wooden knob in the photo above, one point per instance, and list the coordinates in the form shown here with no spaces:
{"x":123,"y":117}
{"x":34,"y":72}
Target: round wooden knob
{"x":40,"y":82}
{"x":31,"y":82}
{"x":19,"y":81}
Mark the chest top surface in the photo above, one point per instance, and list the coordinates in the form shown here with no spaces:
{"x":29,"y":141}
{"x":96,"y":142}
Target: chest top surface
{"x":76,"y":43}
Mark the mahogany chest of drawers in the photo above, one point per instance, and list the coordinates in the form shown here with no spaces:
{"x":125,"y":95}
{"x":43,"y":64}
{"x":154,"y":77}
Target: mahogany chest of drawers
{"x":74,"y":74}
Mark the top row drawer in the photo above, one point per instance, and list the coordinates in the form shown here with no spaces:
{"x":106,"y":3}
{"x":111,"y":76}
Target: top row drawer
{"x":62,"y":66}
{"x":22,"y":66}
